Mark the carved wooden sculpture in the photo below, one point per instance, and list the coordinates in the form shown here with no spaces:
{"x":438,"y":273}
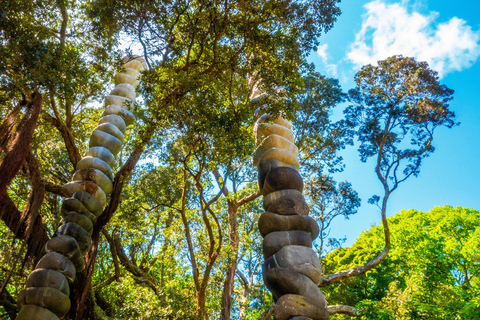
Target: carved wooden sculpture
{"x":46,"y":296}
{"x":291,"y":270}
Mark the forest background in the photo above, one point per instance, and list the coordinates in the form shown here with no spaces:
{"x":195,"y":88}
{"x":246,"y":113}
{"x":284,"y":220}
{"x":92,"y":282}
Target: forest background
{"x":144,"y":264}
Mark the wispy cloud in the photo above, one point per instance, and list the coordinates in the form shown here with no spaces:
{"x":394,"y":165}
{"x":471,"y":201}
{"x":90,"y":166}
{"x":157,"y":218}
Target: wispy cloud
{"x":390,"y":29}
{"x":323,"y":55}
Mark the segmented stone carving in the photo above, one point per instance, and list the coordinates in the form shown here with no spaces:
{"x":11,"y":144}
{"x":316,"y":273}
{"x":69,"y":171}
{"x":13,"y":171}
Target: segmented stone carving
{"x":46,"y":296}
{"x":291,"y":270}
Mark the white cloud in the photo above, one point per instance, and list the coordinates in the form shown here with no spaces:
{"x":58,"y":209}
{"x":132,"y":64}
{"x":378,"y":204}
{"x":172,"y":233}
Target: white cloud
{"x":322,"y":54}
{"x":389,"y":29}
{"x":322,"y":51}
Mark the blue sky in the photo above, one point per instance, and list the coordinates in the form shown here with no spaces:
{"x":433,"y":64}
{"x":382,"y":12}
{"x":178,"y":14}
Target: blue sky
{"x":446,"y":34}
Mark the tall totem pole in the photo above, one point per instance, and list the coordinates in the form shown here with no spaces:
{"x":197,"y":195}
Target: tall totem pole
{"x":46,"y":296}
{"x":291,"y":270}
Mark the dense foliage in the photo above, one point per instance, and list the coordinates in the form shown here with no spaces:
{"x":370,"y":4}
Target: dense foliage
{"x":179,"y":237}
{"x":187,"y":216}
{"x":432,"y":271}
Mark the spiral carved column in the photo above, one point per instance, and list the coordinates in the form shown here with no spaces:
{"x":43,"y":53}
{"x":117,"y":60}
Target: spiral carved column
{"x":46,"y":296}
{"x":291,"y":270}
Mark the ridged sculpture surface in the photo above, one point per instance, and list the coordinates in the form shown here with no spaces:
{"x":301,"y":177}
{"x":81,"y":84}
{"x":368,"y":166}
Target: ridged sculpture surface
{"x":46,"y":296}
{"x":292,"y":269}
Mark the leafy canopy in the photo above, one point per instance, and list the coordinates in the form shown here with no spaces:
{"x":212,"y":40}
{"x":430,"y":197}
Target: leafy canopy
{"x":397,"y":105}
{"x":431,"y":272}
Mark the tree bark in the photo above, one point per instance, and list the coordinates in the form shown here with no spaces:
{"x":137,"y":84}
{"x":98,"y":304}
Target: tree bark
{"x":6,"y":128}
{"x":66,"y":133}
{"x":226,"y":304}
{"x":31,"y":211}
{"x":232,"y":207}
{"x":356,"y":271}
{"x":18,"y":152}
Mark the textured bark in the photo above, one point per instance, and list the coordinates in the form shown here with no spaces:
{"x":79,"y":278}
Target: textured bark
{"x":66,"y":133}
{"x":20,"y":147}
{"x":113,"y":251}
{"x":6,"y":128}
{"x":242,"y":312}
{"x":53,"y":188}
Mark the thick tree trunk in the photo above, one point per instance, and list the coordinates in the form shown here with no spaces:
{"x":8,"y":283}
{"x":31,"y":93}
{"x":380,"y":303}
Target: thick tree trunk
{"x":20,"y":147}
{"x":31,"y":211}
{"x":6,"y":128}
{"x":201,"y":300}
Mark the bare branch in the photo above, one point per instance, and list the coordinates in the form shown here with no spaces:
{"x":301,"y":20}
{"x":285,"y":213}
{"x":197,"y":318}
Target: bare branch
{"x":104,"y":283}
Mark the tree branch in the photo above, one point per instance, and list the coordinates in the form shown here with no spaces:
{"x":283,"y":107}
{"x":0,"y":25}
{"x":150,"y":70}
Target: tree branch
{"x":138,"y":274}
{"x":248,"y":198}
{"x":20,"y":147}
{"x":65,"y":132}
{"x":191,"y":251}
{"x":53,"y":188}
{"x":80,"y":292}
{"x":113,"y":250}
{"x":353,"y":272}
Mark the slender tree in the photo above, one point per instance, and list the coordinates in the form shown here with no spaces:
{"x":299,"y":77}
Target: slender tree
{"x":396,"y":107}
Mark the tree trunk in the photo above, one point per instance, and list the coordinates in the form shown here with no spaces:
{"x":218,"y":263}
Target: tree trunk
{"x":6,"y":128}
{"x":230,"y":277}
{"x":201,"y":300}
{"x":18,"y":152}
{"x":243,"y":302}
